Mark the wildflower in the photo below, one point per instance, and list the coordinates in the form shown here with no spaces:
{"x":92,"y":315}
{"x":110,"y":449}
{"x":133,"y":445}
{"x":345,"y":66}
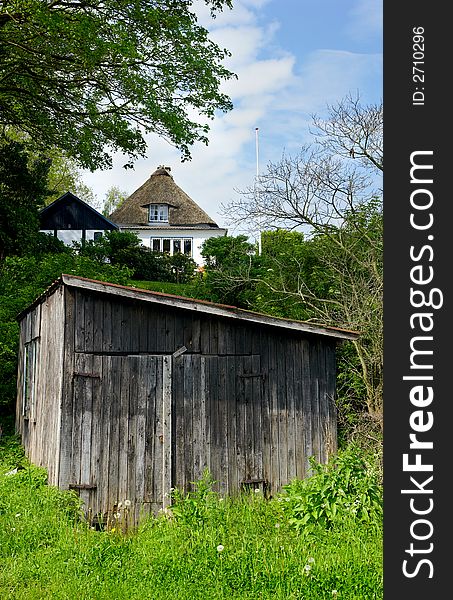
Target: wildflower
{"x":311,"y":560}
{"x":307,"y":569}
{"x":220,"y":548}
{"x":257,"y":490}
{"x":17,"y":515}
{"x":334,"y":593}
{"x":120,"y":504}
{"x":277,"y":525}
{"x":127,"y":503}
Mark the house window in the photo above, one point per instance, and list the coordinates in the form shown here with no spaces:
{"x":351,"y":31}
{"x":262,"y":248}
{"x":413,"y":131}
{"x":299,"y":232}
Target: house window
{"x":158,"y":213}
{"x":97,"y":235}
{"x":172,"y":245}
{"x":188,"y":247}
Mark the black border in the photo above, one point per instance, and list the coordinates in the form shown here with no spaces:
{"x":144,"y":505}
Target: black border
{"x":409,"y":128}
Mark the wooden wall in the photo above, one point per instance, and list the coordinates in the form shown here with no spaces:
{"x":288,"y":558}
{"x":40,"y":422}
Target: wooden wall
{"x":119,"y":416}
{"x":249,"y":402}
{"x":42,"y":329}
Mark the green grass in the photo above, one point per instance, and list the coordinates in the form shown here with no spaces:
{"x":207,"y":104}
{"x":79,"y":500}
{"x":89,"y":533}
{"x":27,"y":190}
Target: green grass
{"x":47,"y":551}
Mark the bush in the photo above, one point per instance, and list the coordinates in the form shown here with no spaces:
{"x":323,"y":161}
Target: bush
{"x":347,"y":487}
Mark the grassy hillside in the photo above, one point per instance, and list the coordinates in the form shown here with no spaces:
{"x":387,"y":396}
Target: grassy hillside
{"x":320,"y":540}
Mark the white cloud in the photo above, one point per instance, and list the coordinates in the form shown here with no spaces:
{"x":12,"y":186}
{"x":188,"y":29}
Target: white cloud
{"x":275,"y":91}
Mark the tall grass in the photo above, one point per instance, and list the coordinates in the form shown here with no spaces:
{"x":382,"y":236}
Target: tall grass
{"x":208,"y":548}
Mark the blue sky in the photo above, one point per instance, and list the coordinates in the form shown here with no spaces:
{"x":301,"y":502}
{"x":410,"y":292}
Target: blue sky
{"x":292,"y":58}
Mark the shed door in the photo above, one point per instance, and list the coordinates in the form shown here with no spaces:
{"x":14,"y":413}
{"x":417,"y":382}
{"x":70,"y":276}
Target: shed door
{"x":217,"y":420}
{"x":121,"y":432}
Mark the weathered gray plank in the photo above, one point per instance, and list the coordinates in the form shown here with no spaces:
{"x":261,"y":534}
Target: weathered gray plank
{"x":166,"y":431}
{"x":178,"y":422}
{"x":188,"y":420}
{"x":231,"y":420}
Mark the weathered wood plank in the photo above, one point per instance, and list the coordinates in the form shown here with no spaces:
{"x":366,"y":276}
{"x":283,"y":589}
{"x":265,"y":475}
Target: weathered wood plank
{"x":107,"y":324}
{"x":307,"y":400}
{"x":102,"y":408}
{"x":178,"y":423}
{"x":257,"y":392}
{"x":299,"y":423}
{"x":152,"y":423}
{"x":135,"y":384}
{"x":98,"y":321}
{"x":166,"y":431}
{"x":65,"y":444}
{"x":145,"y":367}
{"x":283,"y":413}
{"x":123,"y":436}
{"x":231,"y":424}
{"x":188,"y":420}
{"x":222,"y":424}
{"x":79,"y":322}
{"x":198,"y":440}
{"x":115,"y":388}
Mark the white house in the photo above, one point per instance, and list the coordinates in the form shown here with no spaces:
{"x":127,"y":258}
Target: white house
{"x":165,"y":218}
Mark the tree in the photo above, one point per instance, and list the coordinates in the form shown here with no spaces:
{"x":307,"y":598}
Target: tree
{"x":332,"y":194}
{"x":63,"y":176}
{"x":230,"y":266}
{"x":91,"y":77}
{"x":114,"y":198}
{"x":23,"y":189}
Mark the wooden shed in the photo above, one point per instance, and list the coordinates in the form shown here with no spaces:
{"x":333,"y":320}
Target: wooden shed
{"x":124,"y":394}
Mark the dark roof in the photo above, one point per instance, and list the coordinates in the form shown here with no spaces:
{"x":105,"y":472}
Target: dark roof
{"x":69,"y":212}
{"x":161,"y":188}
{"x":200,"y":306}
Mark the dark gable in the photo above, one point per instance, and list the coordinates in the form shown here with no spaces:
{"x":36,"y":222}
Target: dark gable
{"x":69,"y":212}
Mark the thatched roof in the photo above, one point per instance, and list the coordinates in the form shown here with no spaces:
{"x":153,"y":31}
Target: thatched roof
{"x":161,"y":189}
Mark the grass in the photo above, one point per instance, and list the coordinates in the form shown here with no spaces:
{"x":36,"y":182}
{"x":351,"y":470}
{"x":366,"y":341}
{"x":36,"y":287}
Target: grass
{"x":47,"y":551}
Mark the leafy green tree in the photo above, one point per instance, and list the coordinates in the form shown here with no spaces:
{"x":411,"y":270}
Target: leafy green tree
{"x":114,"y":198}
{"x":92,"y":77}
{"x":288,"y":261}
{"x":64,"y":174}
{"x":23,"y":189}
{"x":24,"y":278}
{"x":231,"y":265}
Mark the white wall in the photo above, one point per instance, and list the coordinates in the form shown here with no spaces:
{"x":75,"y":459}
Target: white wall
{"x":68,"y":236}
{"x":197,"y":237}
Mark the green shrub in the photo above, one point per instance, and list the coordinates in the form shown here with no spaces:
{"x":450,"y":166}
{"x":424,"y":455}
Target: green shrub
{"x":347,"y":487}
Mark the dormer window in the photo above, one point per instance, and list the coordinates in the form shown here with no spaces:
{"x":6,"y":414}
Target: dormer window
{"x":158,"y":213}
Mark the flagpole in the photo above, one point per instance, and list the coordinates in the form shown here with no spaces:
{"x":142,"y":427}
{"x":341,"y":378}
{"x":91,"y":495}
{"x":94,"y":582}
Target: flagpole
{"x":256,"y":181}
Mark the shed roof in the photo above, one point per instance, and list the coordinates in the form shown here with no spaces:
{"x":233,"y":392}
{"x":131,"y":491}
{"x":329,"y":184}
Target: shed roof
{"x":190,"y":304}
{"x":161,"y":188}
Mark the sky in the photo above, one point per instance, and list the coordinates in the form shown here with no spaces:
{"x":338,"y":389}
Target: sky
{"x":293,"y":58}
